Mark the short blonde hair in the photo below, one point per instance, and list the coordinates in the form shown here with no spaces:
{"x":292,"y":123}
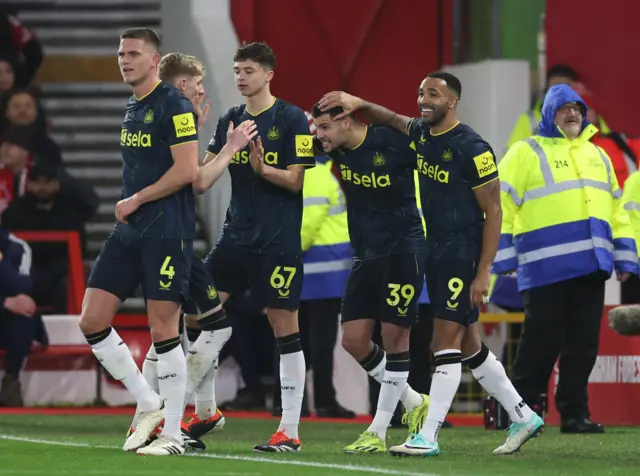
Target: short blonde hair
{"x":173,"y":65}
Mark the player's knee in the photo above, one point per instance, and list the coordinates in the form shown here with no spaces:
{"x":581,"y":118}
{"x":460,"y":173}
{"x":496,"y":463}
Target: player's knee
{"x":284,"y":322}
{"x":395,"y":338}
{"x":447,"y":335}
{"x":98,"y":310}
{"x":164,"y":318}
{"x":355,"y":344}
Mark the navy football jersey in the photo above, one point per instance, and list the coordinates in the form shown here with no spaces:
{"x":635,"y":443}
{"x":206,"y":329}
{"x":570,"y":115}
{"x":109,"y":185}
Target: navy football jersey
{"x":153,"y":125}
{"x":262,"y":216}
{"x":379,"y":186}
{"x":450,"y":165}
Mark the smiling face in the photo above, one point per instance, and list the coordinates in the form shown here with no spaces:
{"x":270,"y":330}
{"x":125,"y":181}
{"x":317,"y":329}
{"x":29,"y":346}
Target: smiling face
{"x":569,"y":119}
{"x":435,"y":100}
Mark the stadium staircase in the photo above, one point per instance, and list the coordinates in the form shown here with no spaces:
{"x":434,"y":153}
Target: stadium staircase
{"x":84,"y":96}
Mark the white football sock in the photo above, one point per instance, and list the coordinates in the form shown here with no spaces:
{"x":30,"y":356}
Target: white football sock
{"x":172,"y":379}
{"x":150,"y":368}
{"x":292,"y":381}
{"x":203,"y":353}
{"x":115,"y":357}
{"x":206,"y":394}
{"x":493,"y":378}
{"x":390,"y":391}
{"x":444,"y":385}
{"x":409,"y":398}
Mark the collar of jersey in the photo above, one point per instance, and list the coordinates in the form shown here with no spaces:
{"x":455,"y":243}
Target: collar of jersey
{"x":149,"y":93}
{"x":366,"y":132}
{"x":444,"y":132}
{"x":264,"y":110}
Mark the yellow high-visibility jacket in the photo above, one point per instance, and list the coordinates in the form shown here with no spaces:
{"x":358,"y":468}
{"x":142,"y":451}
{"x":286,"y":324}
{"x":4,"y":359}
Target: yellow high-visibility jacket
{"x":325,"y":235}
{"x":631,"y":200}
{"x":563,"y":216}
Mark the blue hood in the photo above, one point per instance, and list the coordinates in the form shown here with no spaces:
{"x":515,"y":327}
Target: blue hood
{"x":556,"y":97}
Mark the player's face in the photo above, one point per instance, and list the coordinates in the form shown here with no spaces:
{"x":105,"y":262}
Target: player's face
{"x":569,"y":119}
{"x":331,"y":133}
{"x":22,"y":109}
{"x":435,"y":100}
{"x":251,"y":77}
{"x":192,"y":87}
{"x":137,"y":60}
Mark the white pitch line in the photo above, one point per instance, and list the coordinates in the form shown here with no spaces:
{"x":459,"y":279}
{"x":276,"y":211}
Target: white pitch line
{"x":253,"y":459}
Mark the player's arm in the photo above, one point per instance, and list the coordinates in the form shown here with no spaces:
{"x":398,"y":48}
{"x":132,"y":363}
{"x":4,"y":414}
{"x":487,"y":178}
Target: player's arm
{"x":482,"y":175}
{"x":215,"y":163}
{"x":374,"y":113}
{"x":299,"y":155}
{"x":180,"y":128}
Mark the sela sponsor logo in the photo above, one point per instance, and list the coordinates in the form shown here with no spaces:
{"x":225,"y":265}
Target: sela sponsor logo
{"x":135,"y":139}
{"x":371,"y":180}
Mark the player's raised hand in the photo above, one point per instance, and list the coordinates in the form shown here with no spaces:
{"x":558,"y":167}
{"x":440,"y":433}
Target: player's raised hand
{"x":126,"y":207}
{"x":479,"y":289}
{"x":239,"y":137}
{"x":256,"y":155}
{"x":202,"y":106}
{"x":340,"y":99}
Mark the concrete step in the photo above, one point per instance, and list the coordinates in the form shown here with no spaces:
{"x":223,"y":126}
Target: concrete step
{"x":70,"y":67}
{"x":90,"y":157}
{"x":76,"y":140}
{"x":93,"y":104}
{"x":111,"y":194}
{"x":74,"y":89}
{"x":95,"y":173}
{"x":88,"y":17}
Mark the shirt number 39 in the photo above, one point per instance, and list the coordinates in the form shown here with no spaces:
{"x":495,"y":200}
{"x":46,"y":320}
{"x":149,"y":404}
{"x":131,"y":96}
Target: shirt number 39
{"x":398,"y":293}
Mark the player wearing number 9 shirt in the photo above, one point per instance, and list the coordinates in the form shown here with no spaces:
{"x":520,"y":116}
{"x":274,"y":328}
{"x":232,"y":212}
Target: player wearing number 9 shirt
{"x":377,"y":168}
{"x":460,"y":195}
{"x":260,"y":242}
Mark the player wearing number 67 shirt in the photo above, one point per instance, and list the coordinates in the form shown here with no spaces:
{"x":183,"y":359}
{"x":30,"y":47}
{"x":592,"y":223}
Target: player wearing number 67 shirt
{"x":460,"y":196}
{"x":377,"y":168}
{"x":260,"y":242}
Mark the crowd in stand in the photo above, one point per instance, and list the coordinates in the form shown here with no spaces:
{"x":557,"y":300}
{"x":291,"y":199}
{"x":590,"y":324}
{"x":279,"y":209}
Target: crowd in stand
{"x":36,"y":194}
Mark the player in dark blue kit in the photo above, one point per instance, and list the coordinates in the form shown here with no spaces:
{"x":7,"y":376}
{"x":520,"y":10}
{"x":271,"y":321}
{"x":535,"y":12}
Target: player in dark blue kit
{"x":460,"y":195}
{"x":260,"y":241}
{"x":209,"y":327}
{"x":151,"y":243}
{"x":377,"y":167}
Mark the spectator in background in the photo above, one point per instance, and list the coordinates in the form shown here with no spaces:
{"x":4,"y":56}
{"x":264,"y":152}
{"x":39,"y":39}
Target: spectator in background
{"x":20,"y":324}
{"x":630,"y":289}
{"x":7,"y":71}
{"x":622,"y":151}
{"x":28,"y":51}
{"x":16,"y":154}
{"x":527,"y":123}
{"x":53,"y":201}
{"x":22,"y":114}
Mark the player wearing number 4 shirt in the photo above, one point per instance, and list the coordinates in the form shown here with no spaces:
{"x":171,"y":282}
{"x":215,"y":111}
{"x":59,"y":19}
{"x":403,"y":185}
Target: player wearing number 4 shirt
{"x":151,"y":243}
{"x":377,"y":168}
{"x":459,"y":187}
{"x":260,"y":241}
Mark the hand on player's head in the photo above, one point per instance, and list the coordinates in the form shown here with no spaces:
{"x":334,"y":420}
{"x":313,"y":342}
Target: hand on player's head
{"x":333,"y":99}
{"x":239,"y":137}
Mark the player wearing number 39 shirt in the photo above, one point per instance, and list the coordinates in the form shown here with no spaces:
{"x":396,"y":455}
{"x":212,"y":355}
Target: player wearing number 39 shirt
{"x":377,"y":166}
{"x":260,"y":243}
{"x":460,"y":196}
